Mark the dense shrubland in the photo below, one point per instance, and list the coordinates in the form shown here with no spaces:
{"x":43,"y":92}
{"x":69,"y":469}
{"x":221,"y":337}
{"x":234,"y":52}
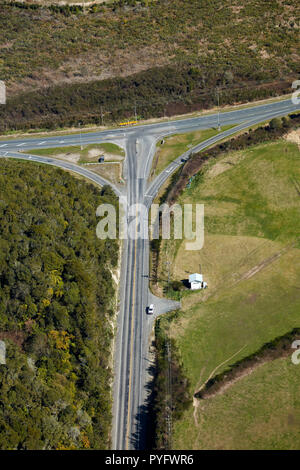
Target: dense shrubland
{"x":160,"y":91}
{"x":56,"y":307}
{"x":65,"y":63}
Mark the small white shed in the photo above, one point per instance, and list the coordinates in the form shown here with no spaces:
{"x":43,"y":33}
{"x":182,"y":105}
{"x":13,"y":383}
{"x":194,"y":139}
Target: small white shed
{"x":196,"y":281}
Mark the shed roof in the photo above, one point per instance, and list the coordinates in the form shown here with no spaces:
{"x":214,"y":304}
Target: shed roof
{"x":195,"y":277}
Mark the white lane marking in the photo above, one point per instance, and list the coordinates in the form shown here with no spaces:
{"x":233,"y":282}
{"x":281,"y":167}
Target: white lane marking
{"x":61,"y":142}
{"x":41,"y":143}
{"x":171,"y":169}
{"x":3,"y":145}
{"x":23,"y":143}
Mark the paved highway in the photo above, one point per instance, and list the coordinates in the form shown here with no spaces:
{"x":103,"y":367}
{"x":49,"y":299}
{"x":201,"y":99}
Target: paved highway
{"x":162,"y":128}
{"x":132,"y":358}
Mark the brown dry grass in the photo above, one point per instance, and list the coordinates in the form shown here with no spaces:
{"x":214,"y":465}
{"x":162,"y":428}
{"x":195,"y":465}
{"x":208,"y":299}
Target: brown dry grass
{"x":92,"y":65}
{"x":294,"y":136}
{"x":109,"y":171}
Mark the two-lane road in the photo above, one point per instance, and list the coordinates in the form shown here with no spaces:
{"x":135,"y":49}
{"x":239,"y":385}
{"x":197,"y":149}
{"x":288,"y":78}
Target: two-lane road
{"x":130,"y":414}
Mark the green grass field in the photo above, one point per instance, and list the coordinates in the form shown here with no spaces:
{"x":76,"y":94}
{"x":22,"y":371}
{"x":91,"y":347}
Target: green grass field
{"x":249,"y":260}
{"x":176,"y":145}
{"x":261,"y":411}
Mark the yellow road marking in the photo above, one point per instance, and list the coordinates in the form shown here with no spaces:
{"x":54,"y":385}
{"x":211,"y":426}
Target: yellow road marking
{"x":131,"y":340}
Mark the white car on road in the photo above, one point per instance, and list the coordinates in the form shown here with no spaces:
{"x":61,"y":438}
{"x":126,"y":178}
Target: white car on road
{"x":150,"y":309}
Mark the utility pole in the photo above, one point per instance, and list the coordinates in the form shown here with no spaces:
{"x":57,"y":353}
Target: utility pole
{"x":101,"y":115}
{"x":81,"y":147}
{"x":219,"y":127}
{"x":169,"y":406}
{"x":168,"y":264}
{"x":135,"y":115}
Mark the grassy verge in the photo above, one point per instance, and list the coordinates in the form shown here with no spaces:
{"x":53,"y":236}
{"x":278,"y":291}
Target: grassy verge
{"x":176,"y":145}
{"x":88,"y":154}
{"x":111,"y":171}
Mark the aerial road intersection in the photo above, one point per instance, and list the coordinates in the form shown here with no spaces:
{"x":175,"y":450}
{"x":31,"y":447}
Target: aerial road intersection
{"x":134,"y":325}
